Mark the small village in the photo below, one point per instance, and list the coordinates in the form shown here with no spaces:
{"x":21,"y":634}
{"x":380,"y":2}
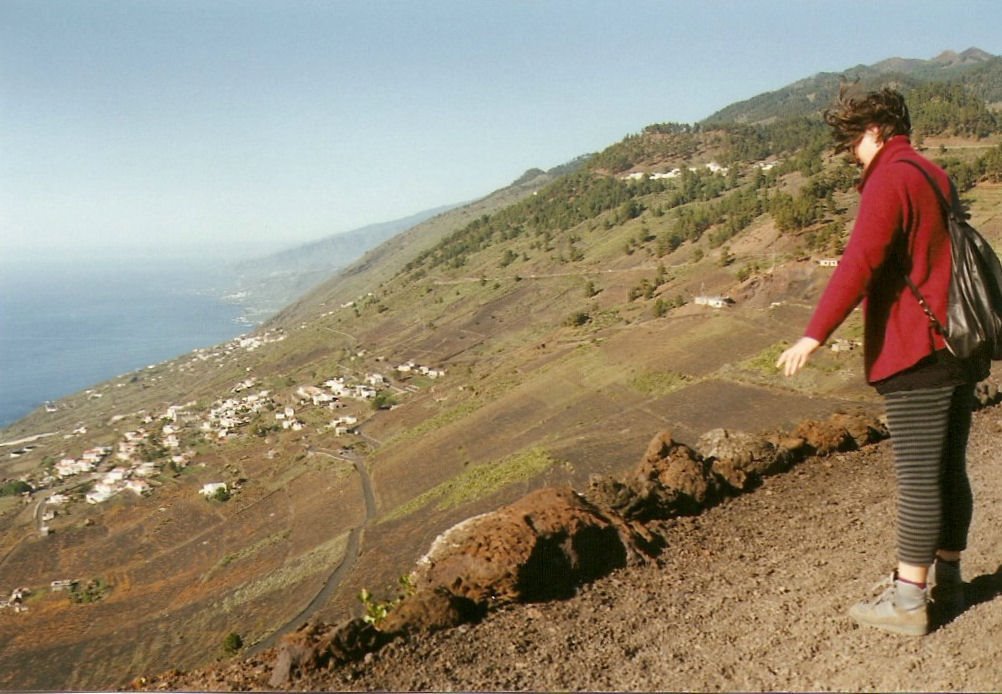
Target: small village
{"x":712,"y":167}
{"x":142,"y":453}
{"x":166,"y":441}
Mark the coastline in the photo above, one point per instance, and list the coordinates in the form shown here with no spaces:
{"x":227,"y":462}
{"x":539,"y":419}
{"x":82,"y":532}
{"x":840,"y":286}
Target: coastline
{"x":65,"y":325}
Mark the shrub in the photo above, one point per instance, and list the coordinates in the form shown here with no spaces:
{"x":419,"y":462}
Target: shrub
{"x":232,"y":643}
{"x":576,"y":319}
{"x":375,"y":610}
{"x":383,"y":400}
{"x":14,"y":488}
{"x":94,"y":590}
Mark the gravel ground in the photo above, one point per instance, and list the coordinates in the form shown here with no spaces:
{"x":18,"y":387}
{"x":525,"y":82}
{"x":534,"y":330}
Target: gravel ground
{"x":751,"y":595}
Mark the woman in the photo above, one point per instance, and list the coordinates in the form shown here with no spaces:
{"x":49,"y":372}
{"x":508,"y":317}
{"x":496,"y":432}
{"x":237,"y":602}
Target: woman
{"x":928,"y":392}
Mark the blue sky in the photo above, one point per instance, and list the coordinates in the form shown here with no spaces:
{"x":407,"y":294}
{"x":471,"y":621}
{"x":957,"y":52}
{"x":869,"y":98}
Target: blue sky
{"x":164,"y":127}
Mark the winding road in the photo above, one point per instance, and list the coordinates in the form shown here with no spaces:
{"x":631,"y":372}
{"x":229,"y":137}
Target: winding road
{"x":352,"y":552}
{"x":27,"y":439}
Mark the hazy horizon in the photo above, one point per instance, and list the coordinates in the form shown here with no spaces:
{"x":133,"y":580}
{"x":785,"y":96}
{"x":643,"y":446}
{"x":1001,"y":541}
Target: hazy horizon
{"x":164,"y":128}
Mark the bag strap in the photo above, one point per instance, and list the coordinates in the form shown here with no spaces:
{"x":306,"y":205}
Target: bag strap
{"x":947,"y":211}
{"x":947,"y":207}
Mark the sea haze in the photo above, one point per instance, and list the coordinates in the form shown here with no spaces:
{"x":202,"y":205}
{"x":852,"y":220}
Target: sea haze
{"x":65,"y":326}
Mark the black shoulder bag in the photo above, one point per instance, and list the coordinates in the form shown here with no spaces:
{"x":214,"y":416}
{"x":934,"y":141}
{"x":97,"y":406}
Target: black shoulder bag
{"x":974,"y":308}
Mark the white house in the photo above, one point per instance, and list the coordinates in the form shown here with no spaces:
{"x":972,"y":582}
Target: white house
{"x":139,"y":487}
{"x":322,"y":398}
{"x":714,"y":301}
{"x":100,"y":493}
{"x":67,"y":467}
{"x":244,"y":385}
{"x":126,"y":449}
{"x":95,"y":455}
{"x":337,"y":386}
{"x":843,"y":345}
{"x":431,"y":373}
{"x":146,"y":469}
{"x":116,"y":475}
{"x":364,"y":392}
{"x":211,"y":488}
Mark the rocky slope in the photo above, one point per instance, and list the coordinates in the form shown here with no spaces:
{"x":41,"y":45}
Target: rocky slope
{"x":750,"y":594}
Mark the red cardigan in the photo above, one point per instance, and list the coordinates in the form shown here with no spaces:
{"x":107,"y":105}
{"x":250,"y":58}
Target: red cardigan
{"x":900,"y":224}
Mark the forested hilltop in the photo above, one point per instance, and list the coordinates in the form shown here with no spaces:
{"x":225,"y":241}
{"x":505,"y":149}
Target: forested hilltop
{"x":743,"y":173}
{"x":974,"y":69}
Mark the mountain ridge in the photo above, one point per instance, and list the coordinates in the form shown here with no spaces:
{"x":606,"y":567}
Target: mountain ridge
{"x":270,"y":283}
{"x":803,"y":96}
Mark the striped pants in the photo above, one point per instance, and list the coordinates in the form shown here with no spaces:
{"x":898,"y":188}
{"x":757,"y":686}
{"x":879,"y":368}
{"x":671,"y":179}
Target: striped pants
{"x":929,"y":430}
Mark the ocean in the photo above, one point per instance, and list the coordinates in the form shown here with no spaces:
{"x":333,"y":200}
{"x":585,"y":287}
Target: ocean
{"x":67,"y":325}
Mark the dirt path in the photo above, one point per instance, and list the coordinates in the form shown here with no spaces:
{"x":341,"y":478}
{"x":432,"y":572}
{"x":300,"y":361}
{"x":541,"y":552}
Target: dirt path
{"x":751,"y":595}
{"x":354,"y":548}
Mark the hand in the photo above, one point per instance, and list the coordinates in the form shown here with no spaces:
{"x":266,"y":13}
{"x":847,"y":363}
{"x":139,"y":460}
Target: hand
{"x":793,"y":359}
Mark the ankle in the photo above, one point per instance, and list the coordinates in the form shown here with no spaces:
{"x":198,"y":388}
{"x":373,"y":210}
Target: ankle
{"x":916,"y":574}
{"x":917,"y":584}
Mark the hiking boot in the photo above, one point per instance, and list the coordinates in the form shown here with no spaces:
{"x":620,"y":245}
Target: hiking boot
{"x":900,"y":609}
{"x":946,"y":587}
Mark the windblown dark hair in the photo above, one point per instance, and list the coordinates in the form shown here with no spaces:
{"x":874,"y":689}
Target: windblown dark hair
{"x":854,"y":111}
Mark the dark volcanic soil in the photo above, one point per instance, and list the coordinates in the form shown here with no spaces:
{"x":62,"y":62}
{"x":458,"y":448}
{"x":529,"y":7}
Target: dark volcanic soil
{"x":750,"y":595}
